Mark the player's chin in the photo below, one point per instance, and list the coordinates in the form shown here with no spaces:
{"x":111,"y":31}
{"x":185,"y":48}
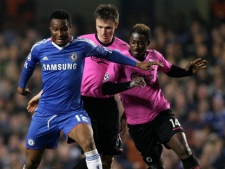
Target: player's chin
{"x":61,"y":42}
{"x":136,"y":54}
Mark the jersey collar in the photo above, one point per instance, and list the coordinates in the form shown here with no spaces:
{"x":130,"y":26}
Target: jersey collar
{"x":61,"y":47}
{"x":103,"y":44}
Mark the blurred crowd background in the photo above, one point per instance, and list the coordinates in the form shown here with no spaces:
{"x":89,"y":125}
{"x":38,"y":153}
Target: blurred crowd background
{"x":182,"y":31}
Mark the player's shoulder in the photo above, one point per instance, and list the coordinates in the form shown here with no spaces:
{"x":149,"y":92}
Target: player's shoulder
{"x":91,"y":35}
{"x":41,"y":44}
{"x":154,"y":54}
{"x":119,"y":45}
{"x":120,"y":41}
{"x":126,"y":52}
{"x":83,"y":40}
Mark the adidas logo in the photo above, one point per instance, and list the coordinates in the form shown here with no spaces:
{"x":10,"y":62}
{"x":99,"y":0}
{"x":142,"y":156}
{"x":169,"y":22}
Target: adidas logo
{"x":45,"y":58}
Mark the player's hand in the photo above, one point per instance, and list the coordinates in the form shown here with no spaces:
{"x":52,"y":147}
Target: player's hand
{"x":138,"y":81}
{"x":196,"y":65}
{"x":148,"y":65}
{"x":32,"y":105}
{"x":22,"y":91}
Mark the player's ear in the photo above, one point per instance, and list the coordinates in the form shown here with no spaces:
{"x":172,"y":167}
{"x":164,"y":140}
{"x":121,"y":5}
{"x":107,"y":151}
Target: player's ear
{"x":116,"y":24}
{"x":149,"y":41}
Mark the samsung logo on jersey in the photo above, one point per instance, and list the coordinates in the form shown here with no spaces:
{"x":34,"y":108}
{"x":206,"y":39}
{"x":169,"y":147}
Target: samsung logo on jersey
{"x":68,"y":66}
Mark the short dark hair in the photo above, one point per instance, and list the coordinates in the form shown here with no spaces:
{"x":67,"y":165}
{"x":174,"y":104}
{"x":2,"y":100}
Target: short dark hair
{"x":106,"y":12}
{"x":141,"y":29}
{"x":60,"y":14}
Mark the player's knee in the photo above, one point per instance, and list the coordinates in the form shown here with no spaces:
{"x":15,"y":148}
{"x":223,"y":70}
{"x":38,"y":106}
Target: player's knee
{"x":32,"y":163}
{"x":87,"y":145}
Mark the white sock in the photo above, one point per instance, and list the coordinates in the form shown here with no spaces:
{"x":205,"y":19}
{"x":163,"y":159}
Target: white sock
{"x":23,"y":167}
{"x":93,"y":159}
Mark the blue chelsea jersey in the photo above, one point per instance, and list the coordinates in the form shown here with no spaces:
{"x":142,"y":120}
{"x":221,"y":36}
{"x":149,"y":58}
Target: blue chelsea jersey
{"x":62,"y":69}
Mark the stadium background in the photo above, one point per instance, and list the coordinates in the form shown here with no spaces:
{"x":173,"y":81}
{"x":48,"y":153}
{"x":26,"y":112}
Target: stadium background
{"x":181,"y":30}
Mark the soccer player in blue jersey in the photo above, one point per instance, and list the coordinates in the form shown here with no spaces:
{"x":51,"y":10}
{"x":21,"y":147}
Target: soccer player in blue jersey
{"x":102,"y":110}
{"x":60,"y":106}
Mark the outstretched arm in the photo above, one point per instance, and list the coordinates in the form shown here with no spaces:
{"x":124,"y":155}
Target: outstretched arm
{"x":117,"y":57}
{"x":148,"y":65}
{"x":33,"y":103}
{"x":110,"y":88}
{"x":196,"y":65}
{"x":192,"y":68}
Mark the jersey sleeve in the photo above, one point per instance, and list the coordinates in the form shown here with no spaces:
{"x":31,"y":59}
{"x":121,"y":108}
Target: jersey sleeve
{"x":29,"y":66}
{"x":166,"y":64}
{"x":113,"y":73}
{"x":111,"y":55}
{"x":111,"y":83}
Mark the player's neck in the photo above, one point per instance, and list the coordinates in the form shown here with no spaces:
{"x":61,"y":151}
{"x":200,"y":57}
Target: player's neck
{"x":105,"y":42}
{"x":140,"y":58}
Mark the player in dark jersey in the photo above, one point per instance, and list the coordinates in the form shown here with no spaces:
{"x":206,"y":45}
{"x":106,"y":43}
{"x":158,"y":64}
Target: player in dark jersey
{"x":60,"y":107}
{"x":103,"y":110}
{"x":150,"y":120}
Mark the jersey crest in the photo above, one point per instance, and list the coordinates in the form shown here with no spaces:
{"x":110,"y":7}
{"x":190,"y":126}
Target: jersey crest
{"x":73,"y":57}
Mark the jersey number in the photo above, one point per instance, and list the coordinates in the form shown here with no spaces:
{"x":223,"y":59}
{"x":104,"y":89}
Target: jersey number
{"x":81,"y":118}
{"x":174,"y":122}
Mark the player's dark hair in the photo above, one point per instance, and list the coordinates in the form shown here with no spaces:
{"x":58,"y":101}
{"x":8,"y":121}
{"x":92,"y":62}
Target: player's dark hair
{"x":60,"y":14}
{"x":106,"y":12}
{"x":141,"y":29}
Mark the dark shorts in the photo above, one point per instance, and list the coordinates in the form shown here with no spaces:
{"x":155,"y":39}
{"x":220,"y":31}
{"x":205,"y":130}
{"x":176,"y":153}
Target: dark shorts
{"x":148,"y":137}
{"x":104,"y":117}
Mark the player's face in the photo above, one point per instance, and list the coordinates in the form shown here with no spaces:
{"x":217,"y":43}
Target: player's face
{"x":60,"y":31}
{"x":138,"y":45}
{"x":105,"y":30}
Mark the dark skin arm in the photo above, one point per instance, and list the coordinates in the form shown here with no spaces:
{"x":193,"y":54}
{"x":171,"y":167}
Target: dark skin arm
{"x":192,"y":68}
{"x":110,"y":88}
{"x":22,"y":91}
{"x":196,"y":65}
{"x":148,"y":65}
